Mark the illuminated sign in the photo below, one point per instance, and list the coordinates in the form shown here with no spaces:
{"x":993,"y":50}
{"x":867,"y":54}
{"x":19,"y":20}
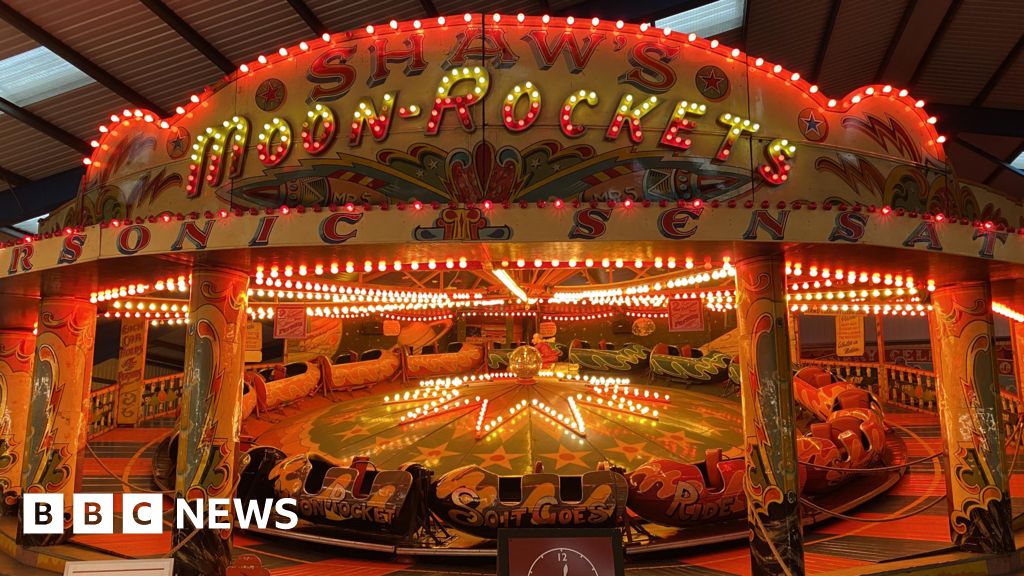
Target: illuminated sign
{"x":508,"y":109}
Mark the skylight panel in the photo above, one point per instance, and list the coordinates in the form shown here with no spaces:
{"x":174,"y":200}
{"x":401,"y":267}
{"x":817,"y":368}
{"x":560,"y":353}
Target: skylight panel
{"x":36,"y":75}
{"x":708,"y":20}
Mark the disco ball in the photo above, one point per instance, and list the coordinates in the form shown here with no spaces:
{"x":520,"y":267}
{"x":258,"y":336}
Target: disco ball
{"x":524,"y":362}
{"x":643,"y":327}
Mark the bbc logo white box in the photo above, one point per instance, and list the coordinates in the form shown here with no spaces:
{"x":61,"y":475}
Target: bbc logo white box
{"x":142,"y":513}
{"x":43,"y":513}
{"x":93,"y":513}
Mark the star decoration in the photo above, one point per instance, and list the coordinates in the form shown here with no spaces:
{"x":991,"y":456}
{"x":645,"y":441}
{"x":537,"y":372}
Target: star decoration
{"x":177,"y":145}
{"x":270,"y":94}
{"x":500,"y":458}
{"x":812,"y":124}
{"x":565,"y":457}
{"x":356,"y":431}
{"x":712,"y":82}
{"x":439,"y":453}
{"x":630,"y":451}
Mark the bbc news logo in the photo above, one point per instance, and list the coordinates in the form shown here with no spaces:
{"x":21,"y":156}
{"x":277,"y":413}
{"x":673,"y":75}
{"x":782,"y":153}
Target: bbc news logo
{"x":142,"y":513}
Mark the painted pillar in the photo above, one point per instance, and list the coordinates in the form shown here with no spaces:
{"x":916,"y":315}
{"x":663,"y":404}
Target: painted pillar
{"x":17,"y":351}
{"x":131,"y":370}
{"x":1017,"y":349}
{"x":59,"y":406}
{"x":208,"y":425}
{"x":794,"y":338}
{"x":977,"y":480}
{"x":771,"y":482}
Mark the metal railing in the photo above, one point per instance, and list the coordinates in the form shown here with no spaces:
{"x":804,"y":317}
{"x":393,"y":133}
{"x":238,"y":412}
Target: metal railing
{"x":161,"y":396}
{"x":912,"y":388}
{"x":904,"y":386}
{"x":102,"y":410}
{"x":863,"y":374}
{"x":1011,"y":410}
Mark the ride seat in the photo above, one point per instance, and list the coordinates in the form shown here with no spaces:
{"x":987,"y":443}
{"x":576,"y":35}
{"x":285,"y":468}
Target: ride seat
{"x":712,"y":456}
{"x":686,"y":351}
{"x":852,"y":398}
{"x":371,"y":354}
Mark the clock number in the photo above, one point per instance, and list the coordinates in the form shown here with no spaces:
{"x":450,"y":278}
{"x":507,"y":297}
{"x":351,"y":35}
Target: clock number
{"x":563,"y":557}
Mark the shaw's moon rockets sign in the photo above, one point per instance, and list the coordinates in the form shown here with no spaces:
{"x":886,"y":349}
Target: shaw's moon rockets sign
{"x":459,"y":117}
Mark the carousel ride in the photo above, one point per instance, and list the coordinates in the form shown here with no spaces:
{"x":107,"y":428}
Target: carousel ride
{"x":410,"y":449}
{"x":407,"y":235}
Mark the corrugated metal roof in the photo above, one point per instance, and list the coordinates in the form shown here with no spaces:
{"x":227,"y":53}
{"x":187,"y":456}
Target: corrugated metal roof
{"x":859,"y":41}
{"x":14,"y":42}
{"x":787,"y":33}
{"x":30,"y":154}
{"x":488,"y":7}
{"x":128,"y":41}
{"x":81,"y":111}
{"x":341,"y":16}
{"x":1010,"y":91}
{"x":978,"y":38}
{"x":244,"y":29}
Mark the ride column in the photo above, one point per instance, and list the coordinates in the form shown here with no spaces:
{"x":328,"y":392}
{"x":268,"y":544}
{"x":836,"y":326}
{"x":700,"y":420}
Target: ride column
{"x":17,"y":352}
{"x":771,"y":482}
{"x":208,"y":424}
{"x":970,"y":415}
{"x":58,"y":409}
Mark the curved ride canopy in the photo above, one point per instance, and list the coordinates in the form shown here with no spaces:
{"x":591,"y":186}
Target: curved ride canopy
{"x":498,"y":129}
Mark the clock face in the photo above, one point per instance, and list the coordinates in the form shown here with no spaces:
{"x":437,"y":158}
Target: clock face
{"x":562,"y":562}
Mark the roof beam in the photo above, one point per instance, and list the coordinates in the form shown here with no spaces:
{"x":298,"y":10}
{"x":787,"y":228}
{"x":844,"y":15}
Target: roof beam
{"x":32,"y":199}
{"x":745,"y":27}
{"x":189,"y":34}
{"x":954,"y":120}
{"x":988,"y":156}
{"x":947,"y":19}
{"x":309,"y":17}
{"x":894,"y":41}
{"x":826,"y":39}
{"x":647,"y":11}
{"x":431,"y":9}
{"x":995,"y":172}
{"x":55,"y":45}
{"x":38,"y":123}
{"x":1000,"y":71}
{"x":12,"y":178}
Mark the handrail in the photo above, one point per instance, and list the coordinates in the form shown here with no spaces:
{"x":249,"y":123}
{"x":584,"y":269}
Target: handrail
{"x":910,"y":370}
{"x":906,"y":386}
{"x":160,"y":395}
{"x":820,"y":362}
{"x":102,"y":410}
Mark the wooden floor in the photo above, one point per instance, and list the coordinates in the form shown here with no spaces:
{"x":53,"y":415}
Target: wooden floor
{"x":829,"y":546}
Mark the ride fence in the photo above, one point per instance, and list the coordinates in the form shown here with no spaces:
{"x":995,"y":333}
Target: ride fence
{"x":904,"y":386}
{"x":1011,"y":410}
{"x":102,"y":410}
{"x":160,"y":398}
{"x":863,"y":374}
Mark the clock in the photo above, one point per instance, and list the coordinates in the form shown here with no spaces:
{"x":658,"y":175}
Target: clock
{"x":560,"y":552}
{"x":562,"y":562}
